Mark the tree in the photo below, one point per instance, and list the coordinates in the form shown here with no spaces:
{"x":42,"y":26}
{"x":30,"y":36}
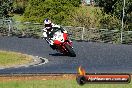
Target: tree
{"x":107,"y":5}
{"x":57,"y":10}
{"x":19,"y":6}
{"x":5,"y":8}
{"x":118,"y":11}
{"x":114,"y":7}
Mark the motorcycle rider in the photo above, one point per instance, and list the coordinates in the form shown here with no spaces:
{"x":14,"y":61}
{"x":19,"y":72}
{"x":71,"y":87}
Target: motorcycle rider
{"x":49,"y":30}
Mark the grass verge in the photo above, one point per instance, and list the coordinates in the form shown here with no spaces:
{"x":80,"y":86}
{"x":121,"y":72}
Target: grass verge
{"x":50,"y":81}
{"x":57,"y":84}
{"x":8,"y":58}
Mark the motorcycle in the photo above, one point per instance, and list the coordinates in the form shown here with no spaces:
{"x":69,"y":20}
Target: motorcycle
{"x":62,"y":43}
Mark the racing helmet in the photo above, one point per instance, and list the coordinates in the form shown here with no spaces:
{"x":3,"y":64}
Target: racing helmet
{"x":47,"y":23}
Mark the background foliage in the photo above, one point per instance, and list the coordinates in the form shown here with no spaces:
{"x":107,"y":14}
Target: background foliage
{"x":57,"y":10}
{"x":114,"y":7}
{"x":19,"y":6}
{"x":5,"y":8}
{"x":106,"y":14}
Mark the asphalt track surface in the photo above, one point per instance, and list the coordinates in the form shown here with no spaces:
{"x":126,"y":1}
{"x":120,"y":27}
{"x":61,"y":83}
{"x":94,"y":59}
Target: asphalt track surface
{"x":93,"y":57}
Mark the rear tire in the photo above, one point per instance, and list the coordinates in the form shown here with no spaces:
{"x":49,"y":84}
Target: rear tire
{"x":70,"y":50}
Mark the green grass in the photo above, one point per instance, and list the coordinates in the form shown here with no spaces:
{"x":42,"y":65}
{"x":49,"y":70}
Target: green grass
{"x":57,"y":84}
{"x":17,"y":17}
{"x":13,"y":58}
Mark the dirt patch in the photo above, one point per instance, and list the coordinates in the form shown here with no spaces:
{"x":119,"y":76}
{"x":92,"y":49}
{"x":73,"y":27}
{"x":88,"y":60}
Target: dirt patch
{"x":37,"y":77}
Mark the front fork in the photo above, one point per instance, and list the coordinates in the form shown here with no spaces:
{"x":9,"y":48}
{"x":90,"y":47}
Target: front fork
{"x":49,"y":41}
{"x":69,"y":42}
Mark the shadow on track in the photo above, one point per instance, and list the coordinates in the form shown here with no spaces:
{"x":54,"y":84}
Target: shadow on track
{"x":57,"y":54}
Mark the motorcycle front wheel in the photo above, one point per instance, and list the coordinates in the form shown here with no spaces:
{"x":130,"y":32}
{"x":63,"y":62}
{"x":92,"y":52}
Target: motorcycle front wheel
{"x":70,"y":50}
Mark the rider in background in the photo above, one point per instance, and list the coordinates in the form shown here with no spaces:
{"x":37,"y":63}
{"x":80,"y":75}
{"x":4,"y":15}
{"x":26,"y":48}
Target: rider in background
{"x":48,"y":32}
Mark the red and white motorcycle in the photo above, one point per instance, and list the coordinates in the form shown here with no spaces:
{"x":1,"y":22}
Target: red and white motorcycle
{"x":63,"y":44}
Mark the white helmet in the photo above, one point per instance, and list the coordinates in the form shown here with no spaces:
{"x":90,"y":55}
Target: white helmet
{"x":47,"y":23}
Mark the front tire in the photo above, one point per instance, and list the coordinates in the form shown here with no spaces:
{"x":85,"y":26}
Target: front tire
{"x":70,"y":50}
